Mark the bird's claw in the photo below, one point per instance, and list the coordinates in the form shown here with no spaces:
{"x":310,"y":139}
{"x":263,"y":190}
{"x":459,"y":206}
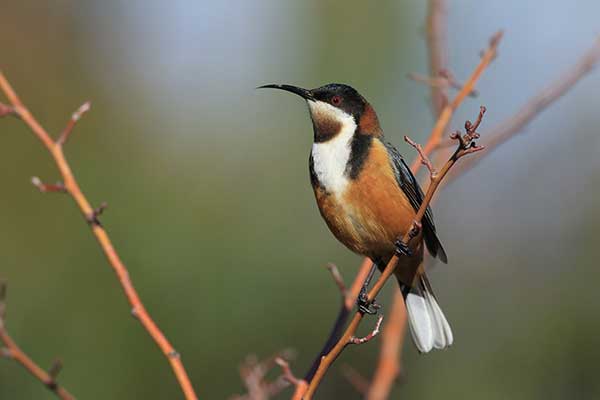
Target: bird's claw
{"x":364,"y":305}
{"x":402,"y":249}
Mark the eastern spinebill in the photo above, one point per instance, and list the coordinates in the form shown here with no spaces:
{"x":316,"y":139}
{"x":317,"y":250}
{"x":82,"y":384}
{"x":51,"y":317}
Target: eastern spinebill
{"x":369,"y":197}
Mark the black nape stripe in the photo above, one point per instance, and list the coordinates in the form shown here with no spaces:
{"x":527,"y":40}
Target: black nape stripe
{"x":359,"y":150}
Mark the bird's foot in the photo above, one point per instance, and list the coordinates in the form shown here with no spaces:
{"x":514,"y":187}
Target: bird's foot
{"x":364,"y":305}
{"x":402,"y":248}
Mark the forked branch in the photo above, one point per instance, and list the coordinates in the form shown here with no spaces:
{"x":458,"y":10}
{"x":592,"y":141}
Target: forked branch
{"x":12,"y":351}
{"x":466,"y":145}
{"x":91,"y":214}
{"x":446,"y":114}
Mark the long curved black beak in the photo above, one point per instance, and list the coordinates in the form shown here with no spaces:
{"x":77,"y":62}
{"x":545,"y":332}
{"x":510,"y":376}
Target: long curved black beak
{"x":304,"y":93}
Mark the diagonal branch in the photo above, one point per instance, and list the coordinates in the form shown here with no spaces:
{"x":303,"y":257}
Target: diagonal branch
{"x":446,"y":114}
{"x":437,"y":11}
{"x":466,"y":146}
{"x":71,"y":186}
{"x":64,"y":136}
{"x":389,"y":365}
{"x":13,"y":351}
{"x":538,"y":103}
{"x":349,"y":297}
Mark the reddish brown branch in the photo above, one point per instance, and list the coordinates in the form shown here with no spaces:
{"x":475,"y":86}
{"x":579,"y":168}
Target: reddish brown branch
{"x":64,"y":136}
{"x":513,"y":125}
{"x":254,"y":373}
{"x":466,"y":145}
{"x":388,"y":366}
{"x":446,"y":114}
{"x":356,"y":379}
{"x":71,"y":186}
{"x":349,"y":297}
{"x":6,"y":110}
{"x":13,"y":351}
{"x":437,"y":51}
{"x":421,"y":154}
{"x":58,"y":187}
{"x":444,"y":80}
{"x":370,"y":336}
{"x":287,"y":374}
{"x":337,"y":278}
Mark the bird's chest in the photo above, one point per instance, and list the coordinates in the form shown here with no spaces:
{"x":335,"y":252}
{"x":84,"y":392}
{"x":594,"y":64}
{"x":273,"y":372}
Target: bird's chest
{"x":328,"y":164}
{"x":363,"y":210}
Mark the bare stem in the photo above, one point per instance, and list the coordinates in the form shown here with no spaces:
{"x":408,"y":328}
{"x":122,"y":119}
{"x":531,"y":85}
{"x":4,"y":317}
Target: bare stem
{"x":513,"y":125}
{"x":446,"y":114}
{"x":466,"y":145}
{"x":91,"y":215}
{"x":13,"y":351}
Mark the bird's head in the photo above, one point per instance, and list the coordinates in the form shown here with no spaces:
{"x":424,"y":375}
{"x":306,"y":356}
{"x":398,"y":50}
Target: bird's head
{"x":335,"y":108}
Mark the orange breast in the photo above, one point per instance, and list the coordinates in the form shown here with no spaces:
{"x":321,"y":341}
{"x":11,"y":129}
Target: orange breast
{"x":372,"y":212}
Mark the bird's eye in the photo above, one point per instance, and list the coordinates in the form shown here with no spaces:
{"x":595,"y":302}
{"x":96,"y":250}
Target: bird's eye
{"x":336,"y":100}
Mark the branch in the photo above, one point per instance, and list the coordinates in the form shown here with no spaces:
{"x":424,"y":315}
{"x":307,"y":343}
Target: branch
{"x":466,"y":146}
{"x":444,"y":80}
{"x":11,"y":350}
{"x":446,"y":114}
{"x":421,"y":155}
{"x":64,"y":136}
{"x":90,"y":214}
{"x":389,"y":363}
{"x":370,"y":336}
{"x":358,"y":382}
{"x":437,"y":51}
{"x":349,"y":297}
{"x":253,"y":373}
{"x":538,"y":103}
{"x":388,"y":367}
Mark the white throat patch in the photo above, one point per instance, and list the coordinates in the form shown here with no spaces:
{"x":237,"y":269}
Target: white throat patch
{"x":331,"y":157}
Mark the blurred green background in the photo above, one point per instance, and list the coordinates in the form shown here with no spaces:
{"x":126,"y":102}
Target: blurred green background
{"x":211,"y":209}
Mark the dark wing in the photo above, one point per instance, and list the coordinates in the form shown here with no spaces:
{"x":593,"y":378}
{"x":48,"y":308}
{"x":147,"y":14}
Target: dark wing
{"x":409,"y":185}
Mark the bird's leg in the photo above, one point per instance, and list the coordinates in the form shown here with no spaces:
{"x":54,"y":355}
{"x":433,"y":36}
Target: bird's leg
{"x":364,"y":305}
{"x":402,"y":248}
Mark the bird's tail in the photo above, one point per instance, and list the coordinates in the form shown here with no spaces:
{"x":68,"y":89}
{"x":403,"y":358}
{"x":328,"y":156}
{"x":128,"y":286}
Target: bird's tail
{"x":428,"y":325}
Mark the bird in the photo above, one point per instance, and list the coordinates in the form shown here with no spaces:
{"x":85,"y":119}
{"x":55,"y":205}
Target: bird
{"x":369,"y":198}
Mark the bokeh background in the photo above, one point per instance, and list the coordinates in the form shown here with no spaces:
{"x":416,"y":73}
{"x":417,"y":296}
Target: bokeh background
{"x":211,"y":209}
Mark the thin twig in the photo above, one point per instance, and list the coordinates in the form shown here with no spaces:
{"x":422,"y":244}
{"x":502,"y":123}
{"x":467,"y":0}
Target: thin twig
{"x":389,"y":363}
{"x":287,"y":374}
{"x":254,"y":372}
{"x":13,"y":351}
{"x":64,"y":136}
{"x":443,"y":80}
{"x":446,"y":114}
{"x":513,"y":125}
{"x":73,"y":189}
{"x":388,"y":366}
{"x":58,"y":187}
{"x":339,"y":281}
{"x":421,"y":154}
{"x":437,"y":11}
{"x":370,"y":336}
{"x":344,"y":312}
{"x":356,"y":379}
{"x":466,"y":145}
{"x":6,"y":110}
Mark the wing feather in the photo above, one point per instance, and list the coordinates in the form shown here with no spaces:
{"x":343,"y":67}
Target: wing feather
{"x":409,"y":185}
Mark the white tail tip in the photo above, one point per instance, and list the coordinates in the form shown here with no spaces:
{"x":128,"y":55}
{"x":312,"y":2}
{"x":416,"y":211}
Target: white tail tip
{"x":428,"y":325}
